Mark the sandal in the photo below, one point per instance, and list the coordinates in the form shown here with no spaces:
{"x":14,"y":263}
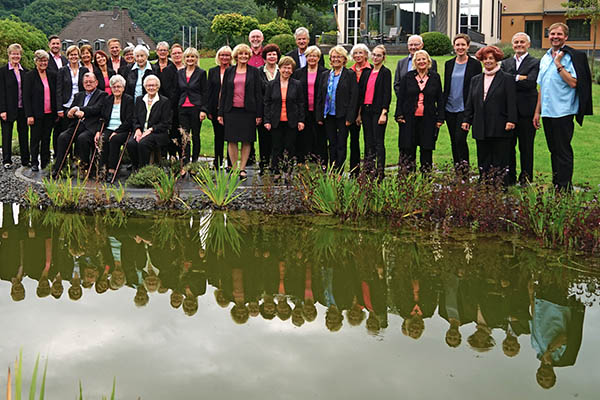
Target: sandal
{"x":243,"y":174}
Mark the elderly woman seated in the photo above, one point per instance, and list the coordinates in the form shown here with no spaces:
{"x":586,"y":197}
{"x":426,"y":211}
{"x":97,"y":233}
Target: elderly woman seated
{"x":151,"y":122}
{"x":117,"y":115}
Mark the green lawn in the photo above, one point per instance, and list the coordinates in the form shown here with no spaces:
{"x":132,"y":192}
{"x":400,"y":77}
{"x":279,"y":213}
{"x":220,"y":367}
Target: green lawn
{"x":585,"y":141}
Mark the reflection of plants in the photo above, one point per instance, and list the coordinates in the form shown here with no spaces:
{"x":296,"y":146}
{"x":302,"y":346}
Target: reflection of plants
{"x":70,"y":227}
{"x":115,"y":218}
{"x":221,"y":232}
{"x":32,"y":198}
{"x":219,"y":186}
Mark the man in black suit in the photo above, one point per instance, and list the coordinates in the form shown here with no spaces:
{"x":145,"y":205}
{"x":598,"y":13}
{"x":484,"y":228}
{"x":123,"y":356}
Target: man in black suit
{"x":302,"y":39}
{"x":57,"y":60}
{"x":87,"y":107}
{"x":114,"y":48}
{"x":415,"y":43}
{"x":524,"y":68}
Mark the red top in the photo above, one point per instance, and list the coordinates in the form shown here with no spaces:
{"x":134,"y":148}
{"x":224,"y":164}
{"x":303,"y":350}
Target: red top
{"x":256,"y":59}
{"x":420,"y":106}
{"x":239,"y":89}
{"x":371,"y":87}
{"x":312,"y":78}
{"x":358,"y":71}
{"x":107,"y":85}
{"x":187,"y":102}
{"x":283,"y":116}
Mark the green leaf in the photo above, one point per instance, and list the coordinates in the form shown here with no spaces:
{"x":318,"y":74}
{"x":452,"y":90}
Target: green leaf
{"x":43,"y":387}
{"x":32,"y":387}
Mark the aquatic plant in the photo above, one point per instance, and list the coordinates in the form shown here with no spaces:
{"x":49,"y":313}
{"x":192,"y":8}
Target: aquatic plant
{"x":165,"y":188}
{"x":19,"y":379}
{"x":32,"y":198}
{"x":219,"y":186}
{"x":63,"y":193}
{"x":117,"y":192}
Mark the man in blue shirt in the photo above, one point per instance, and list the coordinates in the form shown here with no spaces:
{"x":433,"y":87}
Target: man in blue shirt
{"x":558,"y":103}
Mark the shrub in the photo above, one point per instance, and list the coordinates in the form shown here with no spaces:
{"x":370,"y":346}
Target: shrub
{"x":276,"y":27}
{"x":506,"y":49}
{"x":145,"y":177}
{"x":286,"y":42}
{"x":207,"y":53}
{"x":436,"y":43}
{"x":328,"y":38}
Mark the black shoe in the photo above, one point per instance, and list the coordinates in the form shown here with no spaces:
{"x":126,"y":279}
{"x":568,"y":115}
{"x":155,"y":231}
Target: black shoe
{"x":7,"y":165}
{"x":110,"y":176}
{"x":35,"y":168}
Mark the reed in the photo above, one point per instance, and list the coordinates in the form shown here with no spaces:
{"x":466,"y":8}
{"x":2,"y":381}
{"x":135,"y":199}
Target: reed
{"x":219,"y":186}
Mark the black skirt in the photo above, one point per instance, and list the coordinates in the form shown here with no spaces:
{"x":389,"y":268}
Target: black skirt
{"x":240,"y":126}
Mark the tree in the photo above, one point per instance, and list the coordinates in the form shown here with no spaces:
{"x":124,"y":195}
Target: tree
{"x":590,"y":10}
{"x":285,"y":8}
{"x":12,"y":30}
{"x":233,"y":25}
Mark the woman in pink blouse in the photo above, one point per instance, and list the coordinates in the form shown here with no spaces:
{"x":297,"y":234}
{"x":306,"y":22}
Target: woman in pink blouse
{"x":103,"y":71}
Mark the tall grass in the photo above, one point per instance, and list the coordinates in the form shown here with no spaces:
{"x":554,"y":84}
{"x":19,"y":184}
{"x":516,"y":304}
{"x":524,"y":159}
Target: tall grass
{"x":219,"y":186}
{"x":64,"y":193}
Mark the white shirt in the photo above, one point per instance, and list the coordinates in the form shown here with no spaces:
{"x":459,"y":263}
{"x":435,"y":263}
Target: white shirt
{"x":518,"y":61}
{"x":149,"y":107}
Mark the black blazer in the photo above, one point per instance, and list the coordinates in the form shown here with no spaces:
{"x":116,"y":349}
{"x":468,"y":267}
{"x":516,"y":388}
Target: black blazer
{"x":159,"y":118}
{"x":131,"y":76}
{"x":473,"y":68}
{"x":433,"y":112}
{"x":253,"y":99}
{"x":488,"y":118}
{"x":295,"y":55}
{"x":126,"y":112}
{"x":33,"y":93}
{"x":9,"y":92}
{"x":100,"y":77}
{"x":301,"y":75}
{"x":527,"y":93}
{"x":92,"y":111}
{"x":346,"y":96}
{"x":52,"y":64}
{"x":122,"y":63}
{"x":584,"y":82}
{"x":382,"y":95}
{"x":402,"y":69}
{"x":195,"y":89}
{"x":294,"y":103}
{"x":64,"y":86}
{"x":168,"y":83}
{"x":214,"y":88}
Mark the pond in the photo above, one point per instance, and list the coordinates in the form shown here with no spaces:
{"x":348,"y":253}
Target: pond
{"x":243,"y":305}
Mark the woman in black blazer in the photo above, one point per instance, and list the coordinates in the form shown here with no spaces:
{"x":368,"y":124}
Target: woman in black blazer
{"x":491,"y":110}
{"x":269,"y":71}
{"x":375,"y":98}
{"x":419,"y":112}
{"x":313,"y":141}
{"x":151,"y":131}
{"x":12,"y":76}
{"x":215,"y":77}
{"x":103,"y":71}
{"x":39,"y":101}
{"x":457,"y":79}
{"x":191,"y":94}
{"x":284,"y":114}
{"x":69,"y":82}
{"x":117,"y":117}
{"x":241,"y":105}
{"x":337,"y":101}
{"x":136,"y":73}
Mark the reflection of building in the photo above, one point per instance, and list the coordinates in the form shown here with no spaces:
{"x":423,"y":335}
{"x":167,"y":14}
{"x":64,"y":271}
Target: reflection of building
{"x":400,"y":18}
{"x":96,"y":27}
{"x":535,"y":16}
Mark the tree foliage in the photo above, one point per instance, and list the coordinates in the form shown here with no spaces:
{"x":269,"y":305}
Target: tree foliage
{"x":233,"y":25}
{"x":12,"y":30}
{"x":590,"y":10}
{"x":285,"y":8}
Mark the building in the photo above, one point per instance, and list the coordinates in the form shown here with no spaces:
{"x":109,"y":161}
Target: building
{"x":535,"y":16}
{"x":97,"y":27}
{"x":397,"y":19}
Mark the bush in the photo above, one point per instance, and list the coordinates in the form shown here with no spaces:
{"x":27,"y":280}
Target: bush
{"x":436,"y":43}
{"x":506,"y":49}
{"x":12,"y":30}
{"x":286,"y":42}
{"x":146,"y":177}
{"x":207,"y":53}
{"x":328,"y":38}
{"x":276,"y":27}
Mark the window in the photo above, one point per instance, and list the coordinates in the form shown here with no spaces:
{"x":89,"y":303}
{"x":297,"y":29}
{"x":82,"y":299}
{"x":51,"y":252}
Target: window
{"x":469,"y":15}
{"x":579,"y":30}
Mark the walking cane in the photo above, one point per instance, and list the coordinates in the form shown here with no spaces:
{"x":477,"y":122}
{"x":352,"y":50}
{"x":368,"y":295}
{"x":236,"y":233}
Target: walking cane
{"x":87,"y":175}
{"x":120,"y":159}
{"x":62,"y":163}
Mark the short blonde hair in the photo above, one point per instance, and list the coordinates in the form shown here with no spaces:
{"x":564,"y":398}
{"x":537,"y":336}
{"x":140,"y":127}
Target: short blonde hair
{"x":14,"y":47}
{"x":191,"y":51}
{"x":240,"y":48}
{"x":39,"y":54}
{"x":287,"y":60}
{"x":312,"y":50}
{"x":418,"y":53}
{"x":71,"y":49}
{"x":111,"y":40}
{"x":222,"y":49}
{"x":340,"y":50}
{"x":561,"y":25}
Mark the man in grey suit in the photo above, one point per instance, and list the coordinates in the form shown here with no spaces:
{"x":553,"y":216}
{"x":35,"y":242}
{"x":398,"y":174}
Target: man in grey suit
{"x":415,"y":43}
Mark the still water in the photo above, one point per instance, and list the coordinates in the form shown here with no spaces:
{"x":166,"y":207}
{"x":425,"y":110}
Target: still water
{"x":250,"y":306}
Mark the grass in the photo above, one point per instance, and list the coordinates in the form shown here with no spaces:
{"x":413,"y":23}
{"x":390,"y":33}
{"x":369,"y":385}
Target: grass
{"x":219,"y":186}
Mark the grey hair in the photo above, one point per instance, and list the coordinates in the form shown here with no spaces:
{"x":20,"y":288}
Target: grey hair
{"x":255,"y":31}
{"x":419,"y":37}
{"x":162,"y":44}
{"x":128,"y":49}
{"x":116,"y":79}
{"x":312,"y":50}
{"x":521,"y":34}
{"x":153,"y":77}
{"x":300,"y":31}
{"x":141,"y":49}
{"x":359,"y":47}
{"x":39,"y":54}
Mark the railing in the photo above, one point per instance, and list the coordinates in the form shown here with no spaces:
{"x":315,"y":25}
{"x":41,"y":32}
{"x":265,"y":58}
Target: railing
{"x":476,"y":36}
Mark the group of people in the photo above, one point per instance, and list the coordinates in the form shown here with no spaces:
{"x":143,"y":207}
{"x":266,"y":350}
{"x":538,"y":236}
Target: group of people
{"x":301,"y":110}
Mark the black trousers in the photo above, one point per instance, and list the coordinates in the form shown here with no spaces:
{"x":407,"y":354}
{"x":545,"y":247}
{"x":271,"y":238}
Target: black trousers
{"x":458,"y":138}
{"x":408,"y":156}
{"x":493,"y":158}
{"x":524,"y":133}
{"x":111,"y":147}
{"x":316,"y":134}
{"x":140,"y":152}
{"x":219,"y":131}
{"x":284,"y":143}
{"x":189,"y":118}
{"x":374,"y":138}
{"x":265,"y":147}
{"x":354,"y":149}
{"x":84,"y":145}
{"x":40,"y":140}
{"x":559,"y":133}
{"x":337,"y":136}
{"x":173,"y":149}
{"x":23,"y":135}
